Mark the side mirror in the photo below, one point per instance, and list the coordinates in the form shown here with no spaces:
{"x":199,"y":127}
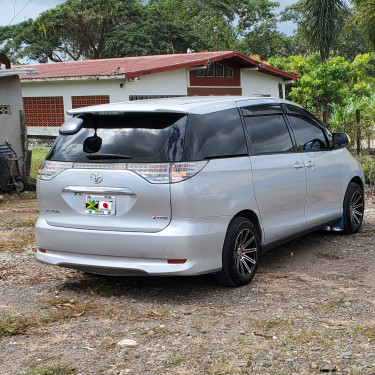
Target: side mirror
{"x":71,"y":126}
{"x":340,"y":140}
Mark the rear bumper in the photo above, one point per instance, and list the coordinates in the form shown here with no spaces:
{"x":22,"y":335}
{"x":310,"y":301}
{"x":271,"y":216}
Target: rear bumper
{"x":199,"y":241}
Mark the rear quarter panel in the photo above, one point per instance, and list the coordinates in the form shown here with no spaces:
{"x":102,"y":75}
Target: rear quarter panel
{"x":223,"y":188}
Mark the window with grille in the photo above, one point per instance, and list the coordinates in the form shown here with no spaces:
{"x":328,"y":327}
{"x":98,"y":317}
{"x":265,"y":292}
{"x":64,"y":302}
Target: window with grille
{"x":85,"y":101}
{"x":4,"y":109}
{"x":215,"y":70}
{"x":44,"y":111}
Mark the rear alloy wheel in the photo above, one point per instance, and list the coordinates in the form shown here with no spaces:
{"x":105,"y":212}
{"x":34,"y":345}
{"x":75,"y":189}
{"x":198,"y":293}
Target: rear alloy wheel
{"x":241,"y":253}
{"x":354,"y":205}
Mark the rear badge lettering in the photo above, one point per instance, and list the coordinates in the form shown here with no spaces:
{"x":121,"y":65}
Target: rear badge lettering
{"x":52,"y":211}
{"x":160,"y":217}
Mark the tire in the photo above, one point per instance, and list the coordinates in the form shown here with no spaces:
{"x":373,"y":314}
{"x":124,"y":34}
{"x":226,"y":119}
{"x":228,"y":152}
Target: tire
{"x":354,"y":205}
{"x":241,"y":253}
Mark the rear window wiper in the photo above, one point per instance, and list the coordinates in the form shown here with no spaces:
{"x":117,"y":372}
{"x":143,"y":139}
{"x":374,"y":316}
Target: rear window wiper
{"x":107,"y":156}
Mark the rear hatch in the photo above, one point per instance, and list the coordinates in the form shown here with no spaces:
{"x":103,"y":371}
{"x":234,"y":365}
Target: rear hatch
{"x":112,"y":172}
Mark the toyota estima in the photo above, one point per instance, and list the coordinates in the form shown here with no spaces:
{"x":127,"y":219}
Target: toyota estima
{"x":186,"y":186}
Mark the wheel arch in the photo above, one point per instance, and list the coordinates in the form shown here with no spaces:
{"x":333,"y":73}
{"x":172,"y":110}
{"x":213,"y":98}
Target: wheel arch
{"x":358,"y":180}
{"x":253,"y":217}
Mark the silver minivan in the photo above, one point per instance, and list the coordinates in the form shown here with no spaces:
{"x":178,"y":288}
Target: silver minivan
{"x":192,"y":185}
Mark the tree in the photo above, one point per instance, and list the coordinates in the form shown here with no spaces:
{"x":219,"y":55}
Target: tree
{"x":221,"y":24}
{"x":364,"y":16}
{"x":338,"y":85}
{"x":73,"y":30}
{"x":320,"y":22}
{"x":90,"y":29}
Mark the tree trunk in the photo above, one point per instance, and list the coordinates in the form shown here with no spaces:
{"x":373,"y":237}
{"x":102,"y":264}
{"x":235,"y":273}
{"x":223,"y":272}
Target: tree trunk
{"x":359,"y":137}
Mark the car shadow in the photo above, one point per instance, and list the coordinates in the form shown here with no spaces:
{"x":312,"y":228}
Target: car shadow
{"x":204,"y":287}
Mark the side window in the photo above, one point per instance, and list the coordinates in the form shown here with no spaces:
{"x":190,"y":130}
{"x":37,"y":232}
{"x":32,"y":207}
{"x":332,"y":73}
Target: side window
{"x":309,"y":136}
{"x":294,"y":110}
{"x":218,"y":134}
{"x":268,"y":134}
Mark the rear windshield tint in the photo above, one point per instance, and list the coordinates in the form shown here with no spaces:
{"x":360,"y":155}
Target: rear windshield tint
{"x":140,"y":137}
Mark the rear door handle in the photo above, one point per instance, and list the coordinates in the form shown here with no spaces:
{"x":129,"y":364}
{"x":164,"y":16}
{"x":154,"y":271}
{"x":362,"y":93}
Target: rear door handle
{"x":298,"y":165}
{"x":310,"y":164}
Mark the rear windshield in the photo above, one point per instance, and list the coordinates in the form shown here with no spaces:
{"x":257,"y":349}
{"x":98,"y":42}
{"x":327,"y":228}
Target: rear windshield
{"x":136,"y":137}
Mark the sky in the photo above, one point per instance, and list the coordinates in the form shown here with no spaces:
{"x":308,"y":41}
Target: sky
{"x":15,"y":11}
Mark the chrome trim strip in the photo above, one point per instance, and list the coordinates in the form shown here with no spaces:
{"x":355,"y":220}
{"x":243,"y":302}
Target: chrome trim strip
{"x":98,"y":190}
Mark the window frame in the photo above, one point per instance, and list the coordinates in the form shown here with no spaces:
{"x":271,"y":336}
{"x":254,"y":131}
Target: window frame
{"x":274,"y":109}
{"x":211,"y":66}
{"x":203,"y":71}
{"x":312,"y":123}
{"x":305,"y":113}
{"x":286,"y":114}
{"x":228,"y":69}
{"x":216,"y":70}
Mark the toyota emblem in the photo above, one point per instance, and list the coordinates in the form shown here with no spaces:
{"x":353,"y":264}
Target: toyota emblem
{"x":96,"y":178}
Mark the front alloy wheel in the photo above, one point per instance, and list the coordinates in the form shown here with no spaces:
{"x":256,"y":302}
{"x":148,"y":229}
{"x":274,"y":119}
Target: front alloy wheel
{"x":354,"y":205}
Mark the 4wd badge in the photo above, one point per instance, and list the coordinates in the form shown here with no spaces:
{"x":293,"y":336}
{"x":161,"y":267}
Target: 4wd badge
{"x":96,"y":178}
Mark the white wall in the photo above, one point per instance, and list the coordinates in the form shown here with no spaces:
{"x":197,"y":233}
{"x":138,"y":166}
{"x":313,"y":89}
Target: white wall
{"x":255,"y":83}
{"x":166,"y":83}
{"x":10,"y":125}
{"x":173,"y":82}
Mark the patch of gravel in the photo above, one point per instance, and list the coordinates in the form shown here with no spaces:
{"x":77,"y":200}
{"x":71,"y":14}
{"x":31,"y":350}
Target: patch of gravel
{"x":309,"y":310}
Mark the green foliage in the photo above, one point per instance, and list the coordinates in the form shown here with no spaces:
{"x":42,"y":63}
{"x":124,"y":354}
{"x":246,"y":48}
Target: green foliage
{"x":332,"y":82}
{"x":60,"y":369}
{"x":368,"y":165}
{"x":321,"y":23}
{"x":339,"y":87}
{"x":73,"y":30}
{"x":37,"y":157}
{"x":364,"y":17}
{"x":341,"y":36}
{"x":91,"y":29}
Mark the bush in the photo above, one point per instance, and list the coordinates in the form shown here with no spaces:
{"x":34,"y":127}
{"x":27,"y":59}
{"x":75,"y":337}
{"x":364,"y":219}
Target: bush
{"x":368,"y":165}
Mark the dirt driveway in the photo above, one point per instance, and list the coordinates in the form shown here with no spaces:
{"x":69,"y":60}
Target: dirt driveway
{"x":309,"y":310}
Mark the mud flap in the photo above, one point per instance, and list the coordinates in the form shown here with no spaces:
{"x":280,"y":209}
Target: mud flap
{"x":337,"y":227}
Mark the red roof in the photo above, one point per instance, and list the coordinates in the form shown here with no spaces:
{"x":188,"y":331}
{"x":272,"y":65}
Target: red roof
{"x":130,"y":67}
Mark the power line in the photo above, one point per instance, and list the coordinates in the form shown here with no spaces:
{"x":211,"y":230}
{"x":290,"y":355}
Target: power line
{"x":19,"y":11}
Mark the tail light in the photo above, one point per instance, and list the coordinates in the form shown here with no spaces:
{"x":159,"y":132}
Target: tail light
{"x":182,"y":171}
{"x":154,"y":173}
{"x":50,"y":169}
{"x":157,"y":173}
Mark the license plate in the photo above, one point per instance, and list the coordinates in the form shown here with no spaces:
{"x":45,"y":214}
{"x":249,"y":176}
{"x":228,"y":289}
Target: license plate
{"x":100,"y":205}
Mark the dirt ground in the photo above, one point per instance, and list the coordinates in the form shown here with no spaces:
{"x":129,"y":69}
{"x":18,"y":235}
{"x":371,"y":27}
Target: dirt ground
{"x":309,"y":310}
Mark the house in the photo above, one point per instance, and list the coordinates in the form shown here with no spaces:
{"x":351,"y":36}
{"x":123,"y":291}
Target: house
{"x":59,"y":87}
{"x":12,"y":124}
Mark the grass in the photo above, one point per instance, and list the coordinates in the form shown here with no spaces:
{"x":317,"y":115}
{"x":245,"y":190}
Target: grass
{"x":62,"y":310}
{"x":13,"y":224}
{"x":17,"y":243}
{"x":367,"y":233}
{"x":59,"y":369}
{"x":38,"y":155}
{"x":9,"y":198}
